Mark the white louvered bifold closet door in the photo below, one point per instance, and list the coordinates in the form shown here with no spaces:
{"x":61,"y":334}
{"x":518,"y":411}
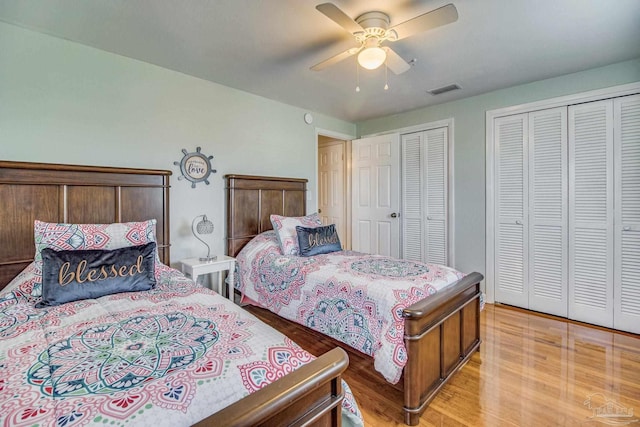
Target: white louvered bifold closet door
{"x":412,"y":198}
{"x":425,"y":171}
{"x":511,"y":247}
{"x":436,"y":160}
{"x":591,"y":212}
{"x":548,"y":211}
{"x":627,"y":222}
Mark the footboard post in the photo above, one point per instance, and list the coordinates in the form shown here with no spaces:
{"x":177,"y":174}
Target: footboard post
{"x":441,"y":333}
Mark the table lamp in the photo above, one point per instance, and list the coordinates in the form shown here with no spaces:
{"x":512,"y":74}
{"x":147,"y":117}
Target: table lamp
{"x":204,"y":226}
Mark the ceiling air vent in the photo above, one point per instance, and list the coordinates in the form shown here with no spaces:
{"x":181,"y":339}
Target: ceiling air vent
{"x":443,"y":89}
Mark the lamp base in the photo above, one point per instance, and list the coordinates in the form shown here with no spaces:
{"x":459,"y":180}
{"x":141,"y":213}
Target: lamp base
{"x":208,"y":258}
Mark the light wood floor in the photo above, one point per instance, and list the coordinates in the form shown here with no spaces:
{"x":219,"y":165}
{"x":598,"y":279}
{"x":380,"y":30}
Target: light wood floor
{"x":532,"y":370}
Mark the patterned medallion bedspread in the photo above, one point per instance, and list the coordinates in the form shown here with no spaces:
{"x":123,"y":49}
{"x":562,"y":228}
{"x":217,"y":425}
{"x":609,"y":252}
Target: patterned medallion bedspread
{"x":168,"y":357}
{"x":353,"y":297}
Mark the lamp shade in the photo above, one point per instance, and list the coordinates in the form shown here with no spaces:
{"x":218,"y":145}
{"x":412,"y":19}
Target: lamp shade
{"x":205,"y":226}
{"x":372,"y":57}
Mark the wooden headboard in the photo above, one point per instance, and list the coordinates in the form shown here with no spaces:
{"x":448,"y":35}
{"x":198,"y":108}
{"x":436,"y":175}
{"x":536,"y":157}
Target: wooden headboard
{"x":250,"y":201}
{"x":74,"y":194}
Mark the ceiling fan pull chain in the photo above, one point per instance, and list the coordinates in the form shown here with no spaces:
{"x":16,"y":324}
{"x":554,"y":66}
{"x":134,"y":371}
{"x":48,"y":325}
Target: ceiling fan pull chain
{"x":386,"y":77}
{"x":357,"y":77}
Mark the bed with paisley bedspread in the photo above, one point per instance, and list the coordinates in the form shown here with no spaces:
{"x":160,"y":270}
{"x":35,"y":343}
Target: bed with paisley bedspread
{"x":175,"y":355}
{"x":419,"y":322}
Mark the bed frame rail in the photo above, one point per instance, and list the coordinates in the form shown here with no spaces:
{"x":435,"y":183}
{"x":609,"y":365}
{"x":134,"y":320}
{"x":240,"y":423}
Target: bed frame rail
{"x":310,"y":396}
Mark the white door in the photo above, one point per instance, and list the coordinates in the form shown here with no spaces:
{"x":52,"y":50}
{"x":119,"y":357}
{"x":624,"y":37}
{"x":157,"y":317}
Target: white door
{"x":511,"y":241}
{"x":591,"y":212}
{"x":413,"y":242}
{"x":331,"y":200}
{"x":425,"y":201}
{"x":436,"y":195}
{"x":627,"y":222}
{"x":548,"y":239}
{"x":376,"y":195}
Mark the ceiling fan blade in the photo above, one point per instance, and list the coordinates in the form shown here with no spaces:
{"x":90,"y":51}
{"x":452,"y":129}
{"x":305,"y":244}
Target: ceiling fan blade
{"x":394,"y":62}
{"x":427,"y":21}
{"x":332,"y":12}
{"x":335,"y":59}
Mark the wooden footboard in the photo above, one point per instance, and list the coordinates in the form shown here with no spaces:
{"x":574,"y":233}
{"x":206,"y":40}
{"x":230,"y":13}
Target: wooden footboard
{"x":441,"y":334}
{"x":310,"y":396}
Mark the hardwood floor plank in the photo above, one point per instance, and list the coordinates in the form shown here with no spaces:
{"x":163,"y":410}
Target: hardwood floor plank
{"x":532,"y":370}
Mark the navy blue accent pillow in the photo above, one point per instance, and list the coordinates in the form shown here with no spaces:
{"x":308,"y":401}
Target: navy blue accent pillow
{"x":318,"y":240}
{"x":82,"y":274}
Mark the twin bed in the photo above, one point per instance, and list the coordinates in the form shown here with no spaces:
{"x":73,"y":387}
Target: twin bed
{"x":174,"y":354}
{"x":420,"y":323}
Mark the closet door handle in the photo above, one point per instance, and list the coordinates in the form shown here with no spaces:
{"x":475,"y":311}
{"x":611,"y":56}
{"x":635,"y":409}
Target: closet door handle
{"x":395,"y":215}
{"x":626,"y":228}
{"x":518,"y":222}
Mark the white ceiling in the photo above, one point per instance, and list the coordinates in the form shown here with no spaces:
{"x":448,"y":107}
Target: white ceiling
{"x":267,"y":46}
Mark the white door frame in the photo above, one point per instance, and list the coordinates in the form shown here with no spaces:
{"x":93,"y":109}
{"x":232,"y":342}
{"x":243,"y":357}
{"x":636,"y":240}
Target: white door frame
{"x":594,"y":95}
{"x":343,"y":229}
{"x":347,"y":175}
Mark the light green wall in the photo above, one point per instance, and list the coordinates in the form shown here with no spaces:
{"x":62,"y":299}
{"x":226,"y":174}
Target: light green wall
{"x":62,"y":102}
{"x":469,"y":147}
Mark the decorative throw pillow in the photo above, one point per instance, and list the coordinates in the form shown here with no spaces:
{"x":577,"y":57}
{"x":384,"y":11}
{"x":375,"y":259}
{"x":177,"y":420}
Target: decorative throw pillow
{"x":285,"y":227}
{"x":83,"y":274}
{"x":318,"y":240}
{"x":61,"y":236}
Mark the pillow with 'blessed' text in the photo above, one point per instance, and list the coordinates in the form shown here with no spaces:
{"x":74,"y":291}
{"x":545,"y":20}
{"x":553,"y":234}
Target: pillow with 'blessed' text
{"x":86,"y":274}
{"x":318,"y":240}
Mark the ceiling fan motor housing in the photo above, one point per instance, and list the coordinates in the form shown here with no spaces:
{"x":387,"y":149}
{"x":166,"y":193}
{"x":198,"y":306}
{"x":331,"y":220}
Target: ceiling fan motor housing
{"x":373,"y":19}
{"x":375,"y":25}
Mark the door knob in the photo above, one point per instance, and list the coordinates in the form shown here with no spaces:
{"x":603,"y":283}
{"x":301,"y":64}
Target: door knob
{"x":395,"y":215}
{"x":626,"y":228}
{"x":519,"y":222}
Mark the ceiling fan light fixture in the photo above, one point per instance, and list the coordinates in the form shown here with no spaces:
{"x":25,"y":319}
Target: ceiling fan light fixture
{"x":371,"y":29}
{"x":372,"y":57}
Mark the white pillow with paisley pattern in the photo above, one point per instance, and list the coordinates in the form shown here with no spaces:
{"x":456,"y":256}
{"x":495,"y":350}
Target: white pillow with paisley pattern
{"x":285,"y":227}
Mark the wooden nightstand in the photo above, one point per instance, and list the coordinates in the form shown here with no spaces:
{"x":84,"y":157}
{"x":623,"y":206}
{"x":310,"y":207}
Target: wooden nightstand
{"x":194,"y":268}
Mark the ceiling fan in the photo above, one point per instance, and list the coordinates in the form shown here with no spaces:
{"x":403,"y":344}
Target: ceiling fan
{"x":371,"y":29}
